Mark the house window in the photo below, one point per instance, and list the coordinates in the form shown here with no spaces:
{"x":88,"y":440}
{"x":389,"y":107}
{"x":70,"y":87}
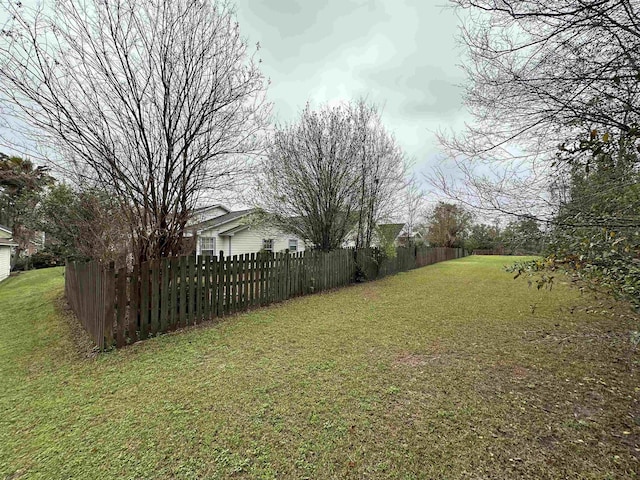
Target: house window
{"x":267,"y":244}
{"x":293,"y":244}
{"x":207,"y":246}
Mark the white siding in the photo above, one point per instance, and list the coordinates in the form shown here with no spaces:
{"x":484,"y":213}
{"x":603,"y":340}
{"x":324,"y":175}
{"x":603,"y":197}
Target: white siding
{"x":208,"y":214}
{"x":249,"y":240}
{"x":5,"y":261}
{"x":246,"y":241}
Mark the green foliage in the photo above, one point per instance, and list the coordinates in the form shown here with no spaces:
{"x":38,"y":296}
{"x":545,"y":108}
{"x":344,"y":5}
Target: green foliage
{"x":60,"y":214}
{"x":45,"y":258}
{"x":21,"y":187}
{"x":523,"y":237}
{"x":85,"y":224}
{"x":387,"y":234}
{"x":597,"y":231}
{"x":448,"y":225}
{"x":539,"y":272}
{"x":481,"y":237}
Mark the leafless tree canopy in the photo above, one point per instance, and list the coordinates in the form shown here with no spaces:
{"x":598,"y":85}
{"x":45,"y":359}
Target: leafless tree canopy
{"x":336,"y":172}
{"x":381,"y":172}
{"x":414,"y":207}
{"x":541,"y":74}
{"x":154,"y":101}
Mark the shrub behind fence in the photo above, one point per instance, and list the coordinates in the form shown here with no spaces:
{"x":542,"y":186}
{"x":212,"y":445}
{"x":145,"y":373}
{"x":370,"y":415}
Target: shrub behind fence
{"x":121,"y":307}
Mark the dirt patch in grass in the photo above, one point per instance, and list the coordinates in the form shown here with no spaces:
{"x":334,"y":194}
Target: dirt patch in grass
{"x":411,"y":360}
{"x":369,"y":292}
{"x":414,"y":360}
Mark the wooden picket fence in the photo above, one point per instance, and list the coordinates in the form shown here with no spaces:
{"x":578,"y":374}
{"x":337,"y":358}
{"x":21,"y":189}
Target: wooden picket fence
{"x":121,"y":307}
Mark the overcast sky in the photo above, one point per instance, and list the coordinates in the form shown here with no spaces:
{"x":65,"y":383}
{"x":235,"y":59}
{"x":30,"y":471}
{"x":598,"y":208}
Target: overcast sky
{"x":399,"y":54}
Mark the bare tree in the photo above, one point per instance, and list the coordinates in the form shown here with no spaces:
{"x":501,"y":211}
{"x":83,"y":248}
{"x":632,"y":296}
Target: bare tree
{"x":153,"y":101}
{"x":413,"y":199}
{"x":382,"y":171}
{"x":541,"y":75}
{"x":309,"y":181}
{"x":335,"y":172}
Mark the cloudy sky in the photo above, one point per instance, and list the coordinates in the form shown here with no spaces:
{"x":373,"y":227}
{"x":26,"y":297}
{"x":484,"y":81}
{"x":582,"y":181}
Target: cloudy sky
{"x":400,"y":54}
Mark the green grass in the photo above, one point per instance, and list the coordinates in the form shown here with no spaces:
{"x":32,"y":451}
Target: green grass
{"x":450,"y":371}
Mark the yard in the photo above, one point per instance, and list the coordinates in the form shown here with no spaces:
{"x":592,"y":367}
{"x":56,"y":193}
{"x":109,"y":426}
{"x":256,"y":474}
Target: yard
{"x":449,"y":371}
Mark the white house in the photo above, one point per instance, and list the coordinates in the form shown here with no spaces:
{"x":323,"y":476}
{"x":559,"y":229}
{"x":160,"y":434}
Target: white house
{"x":384,"y":234}
{"x":218,"y":228}
{"x":5,"y":232}
{"x":6,"y":244}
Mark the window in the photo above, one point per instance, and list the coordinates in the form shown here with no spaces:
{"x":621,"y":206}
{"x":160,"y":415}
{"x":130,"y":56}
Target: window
{"x":293,"y":244}
{"x":267,"y":244}
{"x":207,"y":246}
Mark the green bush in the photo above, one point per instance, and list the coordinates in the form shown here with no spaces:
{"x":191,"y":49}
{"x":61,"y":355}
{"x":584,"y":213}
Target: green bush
{"x":48,"y":257}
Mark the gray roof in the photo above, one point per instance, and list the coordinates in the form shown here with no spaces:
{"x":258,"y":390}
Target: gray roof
{"x":208,"y":207}
{"x":3,"y":227}
{"x":222,"y":219}
{"x":233,"y":231}
{"x":8,"y":242}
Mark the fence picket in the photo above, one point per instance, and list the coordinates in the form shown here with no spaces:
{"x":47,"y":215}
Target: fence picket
{"x":209,"y":266}
{"x":117,"y":308}
{"x":144,"y":304}
{"x":234,"y":284}
{"x":182,"y":289}
{"x":228,"y":278}
{"x":191,"y":301}
{"x":220,"y":285}
{"x":174,"y":275}
{"x":164,"y":295}
{"x":155,"y":296}
{"x":199,"y":289}
{"x":121,"y":306}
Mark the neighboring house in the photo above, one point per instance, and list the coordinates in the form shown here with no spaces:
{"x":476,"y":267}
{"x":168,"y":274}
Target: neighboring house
{"x":5,"y":232}
{"x":6,"y":245}
{"x":33,"y":246}
{"x":403,"y":239}
{"x":218,"y":228}
{"x":384,"y":234}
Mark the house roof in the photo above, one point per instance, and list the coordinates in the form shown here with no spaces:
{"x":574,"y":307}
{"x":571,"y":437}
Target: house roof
{"x":6,"y":229}
{"x":232,"y":231}
{"x":8,"y":242}
{"x":222,"y":219}
{"x":210,"y":207}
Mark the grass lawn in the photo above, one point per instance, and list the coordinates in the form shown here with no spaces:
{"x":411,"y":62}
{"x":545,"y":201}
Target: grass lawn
{"x":450,"y":371}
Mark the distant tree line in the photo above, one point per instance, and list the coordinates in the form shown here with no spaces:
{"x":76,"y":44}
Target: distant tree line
{"x":451,"y":225}
{"x":554,"y":91}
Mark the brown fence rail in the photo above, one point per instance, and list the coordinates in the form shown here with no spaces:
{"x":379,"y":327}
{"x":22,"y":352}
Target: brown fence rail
{"x":122,"y":307}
